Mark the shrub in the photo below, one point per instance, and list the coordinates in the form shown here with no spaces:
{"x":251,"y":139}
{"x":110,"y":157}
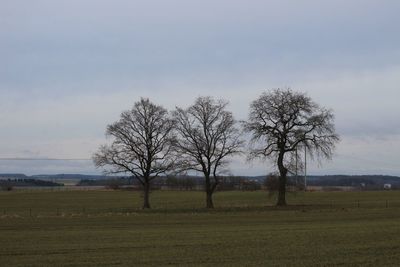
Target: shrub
{"x":7,"y":187}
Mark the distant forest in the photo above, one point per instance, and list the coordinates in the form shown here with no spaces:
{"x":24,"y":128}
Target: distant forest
{"x":228,"y":182}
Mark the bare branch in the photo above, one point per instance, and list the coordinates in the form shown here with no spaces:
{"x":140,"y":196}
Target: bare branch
{"x":282,"y":122}
{"x":141,"y":145}
{"x":207,"y":136}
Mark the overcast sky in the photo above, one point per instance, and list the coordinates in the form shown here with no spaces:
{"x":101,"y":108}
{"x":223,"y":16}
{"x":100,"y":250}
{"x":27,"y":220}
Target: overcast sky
{"x":68,"y":68}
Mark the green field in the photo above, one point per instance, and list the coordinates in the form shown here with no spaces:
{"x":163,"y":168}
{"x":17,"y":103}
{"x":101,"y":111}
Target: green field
{"x":106,"y":228}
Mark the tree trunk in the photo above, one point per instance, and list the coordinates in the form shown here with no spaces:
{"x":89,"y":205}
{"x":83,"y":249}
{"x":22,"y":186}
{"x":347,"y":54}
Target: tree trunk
{"x":210,"y":204}
{"x":282,"y":191}
{"x":282,"y":181}
{"x":209,"y":193}
{"x":146,"y":196}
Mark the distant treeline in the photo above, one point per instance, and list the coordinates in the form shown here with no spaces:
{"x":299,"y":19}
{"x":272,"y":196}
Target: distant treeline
{"x":187,"y":182}
{"x":184,"y":182}
{"x":8,"y":184}
{"x":353,"y":180}
{"x":51,"y":176}
{"x":251,"y":182}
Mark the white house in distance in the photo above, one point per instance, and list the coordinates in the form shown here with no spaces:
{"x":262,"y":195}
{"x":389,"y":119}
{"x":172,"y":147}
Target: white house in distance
{"x":387,"y":186}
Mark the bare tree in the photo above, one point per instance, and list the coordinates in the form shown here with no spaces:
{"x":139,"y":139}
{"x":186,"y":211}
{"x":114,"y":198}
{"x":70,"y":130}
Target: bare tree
{"x":141,"y":145}
{"x":207,"y":136}
{"x":282,"y":122}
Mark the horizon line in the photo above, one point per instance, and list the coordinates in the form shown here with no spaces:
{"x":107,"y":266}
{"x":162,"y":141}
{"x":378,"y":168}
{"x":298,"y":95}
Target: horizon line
{"x":61,"y":159}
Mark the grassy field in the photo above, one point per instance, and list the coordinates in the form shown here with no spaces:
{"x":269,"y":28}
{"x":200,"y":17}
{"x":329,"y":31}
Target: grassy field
{"x":106,"y":228}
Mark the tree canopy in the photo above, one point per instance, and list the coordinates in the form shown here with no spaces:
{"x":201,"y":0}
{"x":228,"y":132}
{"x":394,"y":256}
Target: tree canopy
{"x":141,"y":145}
{"x":206,"y":136}
{"x":282,"y":122}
